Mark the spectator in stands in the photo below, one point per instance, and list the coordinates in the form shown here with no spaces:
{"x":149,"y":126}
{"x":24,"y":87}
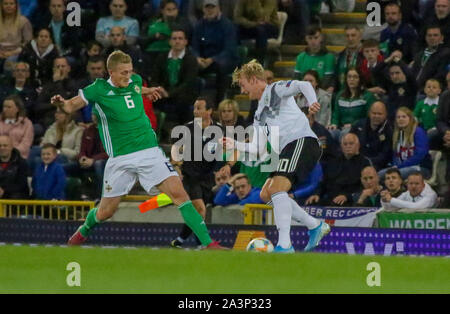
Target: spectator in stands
{"x":257,"y":20}
{"x":316,"y":57}
{"x":13,"y":172}
{"x":176,"y":72}
{"x":238,"y":190}
{"x":66,"y":38}
{"x":369,"y":196}
{"x":93,"y":49}
{"x":49,"y":178}
{"x":198,"y":175}
{"x":15,"y":124}
{"x":15,"y":32}
{"x":341,"y":175}
{"x":298,"y":19}
{"x":305,"y":189}
{"x":95,"y":69}
{"x":432,"y":61}
{"x":117,"y":18}
{"x":351,"y":56}
{"x":440,"y":17}
{"x":228,"y":111}
{"x":158,"y":32}
{"x":195,"y":9}
{"x":443,"y":126}
{"x":393,"y":182}
{"x":375,"y":135}
{"x":398,"y":35}
{"x":61,"y":84}
{"x":330,"y":148}
{"x":118,"y":41}
{"x":372,"y":61}
{"x":410,"y":145}
{"x":323,"y":98}
{"x":426,"y":109}
{"x":214,"y":54}
{"x":351,"y":104}
{"x":66,"y":136}
{"x":419,"y":195}
{"x":92,"y":157}
{"x":400,"y":86}
{"x":221,"y":178}
{"x":21,"y":84}
{"x":39,"y":54}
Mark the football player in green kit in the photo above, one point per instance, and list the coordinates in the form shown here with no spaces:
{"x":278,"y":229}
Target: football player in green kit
{"x":131,"y":144}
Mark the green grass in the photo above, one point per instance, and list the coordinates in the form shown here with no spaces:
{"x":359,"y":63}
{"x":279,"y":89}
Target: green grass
{"x":28,"y":269}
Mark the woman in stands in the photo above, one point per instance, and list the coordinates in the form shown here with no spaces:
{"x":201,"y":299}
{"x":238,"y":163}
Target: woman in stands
{"x":229,"y":114}
{"x":15,"y":32}
{"x":410,"y":145}
{"x":352,"y":103}
{"x":323,"y":97}
{"x":15,"y":124}
{"x":39,"y":54}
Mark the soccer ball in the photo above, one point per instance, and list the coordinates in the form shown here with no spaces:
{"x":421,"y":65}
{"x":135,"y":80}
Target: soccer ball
{"x":260,"y":245}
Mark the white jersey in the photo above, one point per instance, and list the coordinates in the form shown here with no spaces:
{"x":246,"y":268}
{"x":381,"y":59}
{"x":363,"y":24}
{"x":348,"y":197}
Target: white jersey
{"x":278,"y":110}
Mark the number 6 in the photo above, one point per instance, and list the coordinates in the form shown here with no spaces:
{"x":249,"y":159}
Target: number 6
{"x":129,"y":101}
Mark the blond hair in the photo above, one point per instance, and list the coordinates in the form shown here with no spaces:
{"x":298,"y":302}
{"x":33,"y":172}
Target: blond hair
{"x":224,"y":104}
{"x":116,"y":58}
{"x":248,"y":70}
{"x":408,"y":132}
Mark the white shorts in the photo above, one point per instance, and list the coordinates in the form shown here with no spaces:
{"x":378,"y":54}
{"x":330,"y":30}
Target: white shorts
{"x":150,"y":166}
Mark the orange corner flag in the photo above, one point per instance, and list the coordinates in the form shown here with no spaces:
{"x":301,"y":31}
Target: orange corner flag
{"x":155,"y":202}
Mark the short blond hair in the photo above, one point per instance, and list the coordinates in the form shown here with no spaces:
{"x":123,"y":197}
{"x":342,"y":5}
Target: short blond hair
{"x":248,"y":70}
{"x":117,"y":57}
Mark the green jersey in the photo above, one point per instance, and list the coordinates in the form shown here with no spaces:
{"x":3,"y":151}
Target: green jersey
{"x":425,"y":112}
{"x":122,"y":123}
{"x":322,"y":63}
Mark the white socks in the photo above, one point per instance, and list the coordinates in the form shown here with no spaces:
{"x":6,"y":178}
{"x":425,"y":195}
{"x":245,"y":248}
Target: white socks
{"x":285,"y":209}
{"x":300,"y":215}
{"x":282,"y":212}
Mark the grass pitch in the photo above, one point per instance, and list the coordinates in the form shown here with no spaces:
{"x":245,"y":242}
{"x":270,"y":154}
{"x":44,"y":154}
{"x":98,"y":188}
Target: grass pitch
{"x":26,"y":269}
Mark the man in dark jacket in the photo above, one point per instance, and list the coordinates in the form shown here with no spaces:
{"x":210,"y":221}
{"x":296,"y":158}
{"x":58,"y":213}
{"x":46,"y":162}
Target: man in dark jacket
{"x":214,"y":44}
{"x":62,"y":84}
{"x":432,"y":61}
{"x":440,"y":17}
{"x":375,"y":136}
{"x":13,"y":172}
{"x":443,"y":126}
{"x":176,"y":72}
{"x":342,"y":175}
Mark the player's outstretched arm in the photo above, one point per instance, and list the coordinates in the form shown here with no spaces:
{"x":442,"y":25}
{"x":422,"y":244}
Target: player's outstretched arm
{"x":69,"y":105}
{"x":154,"y":93}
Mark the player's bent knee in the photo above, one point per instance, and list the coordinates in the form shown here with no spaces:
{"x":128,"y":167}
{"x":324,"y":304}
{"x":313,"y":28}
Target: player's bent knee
{"x":264,"y":195}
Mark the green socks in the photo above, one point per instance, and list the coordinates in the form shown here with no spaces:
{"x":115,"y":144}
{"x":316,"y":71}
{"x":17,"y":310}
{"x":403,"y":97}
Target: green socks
{"x":192,"y":218}
{"x":195,"y":221}
{"x":91,"y":222}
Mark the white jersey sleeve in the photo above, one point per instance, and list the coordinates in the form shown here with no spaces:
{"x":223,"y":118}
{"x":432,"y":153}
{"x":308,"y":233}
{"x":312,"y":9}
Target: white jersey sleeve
{"x":293,"y":88}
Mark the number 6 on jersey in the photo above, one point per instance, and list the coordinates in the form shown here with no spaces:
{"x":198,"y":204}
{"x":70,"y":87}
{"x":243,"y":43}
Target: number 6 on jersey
{"x":129,"y":101}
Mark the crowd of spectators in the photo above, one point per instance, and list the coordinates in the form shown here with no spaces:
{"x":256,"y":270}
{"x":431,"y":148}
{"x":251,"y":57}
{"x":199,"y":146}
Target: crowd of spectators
{"x":385,"y":102}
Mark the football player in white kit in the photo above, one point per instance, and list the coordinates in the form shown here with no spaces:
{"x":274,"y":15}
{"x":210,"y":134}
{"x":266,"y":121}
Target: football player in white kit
{"x":298,"y":147}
